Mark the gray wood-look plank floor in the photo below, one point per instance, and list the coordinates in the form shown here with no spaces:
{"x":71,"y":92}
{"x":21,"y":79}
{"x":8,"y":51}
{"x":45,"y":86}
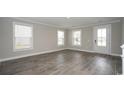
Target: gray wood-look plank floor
{"x":66,"y":62}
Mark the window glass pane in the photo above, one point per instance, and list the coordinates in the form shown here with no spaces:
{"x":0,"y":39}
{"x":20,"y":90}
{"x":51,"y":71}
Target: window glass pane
{"x":104,"y":41}
{"x":101,"y":37}
{"x":23,"y":31}
{"x":23,"y":42}
{"x":99,"y":33}
{"x":60,"y":38}
{"x":104,"y":32}
{"x":76,"y":37}
{"x":104,"y":37}
{"x":99,"y":43}
{"x":23,"y":36}
{"x":104,"y":44}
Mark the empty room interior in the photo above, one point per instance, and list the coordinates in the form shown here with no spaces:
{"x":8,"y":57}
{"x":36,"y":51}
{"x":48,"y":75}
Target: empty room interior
{"x":61,"y":45}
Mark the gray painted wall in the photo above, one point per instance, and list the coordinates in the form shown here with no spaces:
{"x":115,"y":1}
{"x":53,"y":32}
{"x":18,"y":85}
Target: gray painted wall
{"x":45,"y":39}
{"x":116,"y":38}
{"x":1,"y":29}
{"x":87,"y":38}
{"x":123,"y":31}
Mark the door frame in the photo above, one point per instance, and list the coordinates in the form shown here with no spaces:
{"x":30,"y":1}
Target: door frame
{"x":109,"y":35}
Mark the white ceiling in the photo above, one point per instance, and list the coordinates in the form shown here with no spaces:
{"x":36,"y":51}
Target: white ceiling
{"x":64,"y":22}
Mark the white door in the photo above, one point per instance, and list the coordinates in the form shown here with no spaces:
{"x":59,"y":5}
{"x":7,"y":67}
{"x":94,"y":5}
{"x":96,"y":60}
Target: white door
{"x":102,"y":38}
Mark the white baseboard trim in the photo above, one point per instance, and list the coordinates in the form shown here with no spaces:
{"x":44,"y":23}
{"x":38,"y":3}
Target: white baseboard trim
{"x":44,"y":52}
{"x":122,"y":56}
{"x":28,"y":55}
{"x":118,"y":55}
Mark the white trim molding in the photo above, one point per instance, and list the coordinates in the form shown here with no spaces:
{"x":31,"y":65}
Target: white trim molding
{"x":90,"y":51}
{"x":73,"y":31}
{"x":108,"y":42}
{"x":27,"y":20}
{"x":28,"y":55}
{"x":44,"y":52}
{"x":63,"y":43}
{"x":56,"y":26}
{"x":32,"y":30}
{"x":122,"y":46}
{"x":96,"y":24}
{"x":122,"y":58}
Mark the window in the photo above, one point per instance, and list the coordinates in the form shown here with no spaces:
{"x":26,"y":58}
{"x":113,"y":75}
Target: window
{"x":60,"y":38}
{"x":101,"y":37}
{"x":23,"y":36}
{"x":77,"y":38}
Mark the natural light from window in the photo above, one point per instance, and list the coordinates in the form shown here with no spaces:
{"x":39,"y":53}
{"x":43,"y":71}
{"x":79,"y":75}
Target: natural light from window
{"x":101,"y":37}
{"x":77,"y":38}
{"x":60,"y":38}
{"x":22,"y":36}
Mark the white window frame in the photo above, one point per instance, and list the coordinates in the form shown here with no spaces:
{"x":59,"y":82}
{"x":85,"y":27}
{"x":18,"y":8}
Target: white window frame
{"x":23,"y":24}
{"x":63,"y":40}
{"x":110,"y":32}
{"x":80,"y":37}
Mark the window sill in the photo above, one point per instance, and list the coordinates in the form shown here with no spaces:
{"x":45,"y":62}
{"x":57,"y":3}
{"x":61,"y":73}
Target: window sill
{"x":19,"y":50}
